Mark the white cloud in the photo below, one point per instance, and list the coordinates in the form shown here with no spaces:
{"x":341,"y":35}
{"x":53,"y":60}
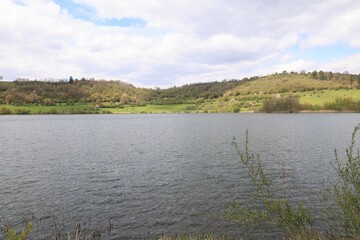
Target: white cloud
{"x":350,"y":64}
{"x":182,"y":41}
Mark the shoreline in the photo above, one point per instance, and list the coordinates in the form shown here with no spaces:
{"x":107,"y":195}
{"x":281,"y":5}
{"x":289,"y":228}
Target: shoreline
{"x":138,"y":113}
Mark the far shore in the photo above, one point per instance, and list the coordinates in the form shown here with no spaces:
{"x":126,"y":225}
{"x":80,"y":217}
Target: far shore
{"x":137,"y":113}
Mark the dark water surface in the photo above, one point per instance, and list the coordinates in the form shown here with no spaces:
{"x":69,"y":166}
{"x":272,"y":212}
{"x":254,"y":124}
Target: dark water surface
{"x":154,"y":174}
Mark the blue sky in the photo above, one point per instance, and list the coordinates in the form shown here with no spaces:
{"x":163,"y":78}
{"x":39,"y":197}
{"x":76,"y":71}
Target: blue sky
{"x":322,"y":54}
{"x":88,"y":13}
{"x":165,"y":43}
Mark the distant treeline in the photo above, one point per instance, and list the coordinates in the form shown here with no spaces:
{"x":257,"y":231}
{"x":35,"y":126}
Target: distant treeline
{"x":22,"y":92}
{"x":51,"y":93}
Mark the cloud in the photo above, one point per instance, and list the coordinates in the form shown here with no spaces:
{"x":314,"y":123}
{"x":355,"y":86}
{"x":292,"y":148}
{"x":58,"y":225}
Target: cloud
{"x":167,"y":42}
{"x":350,"y":64}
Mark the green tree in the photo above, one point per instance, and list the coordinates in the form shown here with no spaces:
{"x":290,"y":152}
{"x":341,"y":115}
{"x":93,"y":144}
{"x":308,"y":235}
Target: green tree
{"x":314,"y":74}
{"x":124,"y":98}
{"x":329,"y":76}
{"x":321,"y":75}
{"x":351,"y":79}
{"x":71,"y":80}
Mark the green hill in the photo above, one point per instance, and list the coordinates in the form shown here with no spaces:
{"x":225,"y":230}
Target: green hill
{"x":282,"y":83}
{"x":308,"y":90}
{"x":277,"y":92}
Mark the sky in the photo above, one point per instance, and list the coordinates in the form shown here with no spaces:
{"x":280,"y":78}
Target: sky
{"x":164,"y":43}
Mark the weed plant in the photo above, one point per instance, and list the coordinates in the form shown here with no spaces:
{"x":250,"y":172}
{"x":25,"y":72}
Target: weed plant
{"x":341,"y":202}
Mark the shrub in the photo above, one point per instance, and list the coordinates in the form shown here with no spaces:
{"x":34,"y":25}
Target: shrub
{"x":341,"y":202}
{"x":341,"y":104}
{"x":22,"y":111}
{"x":5,"y":110}
{"x":288,"y":104}
{"x":22,"y":235}
{"x":190,"y":108}
{"x":343,"y":219}
{"x":269,"y":207}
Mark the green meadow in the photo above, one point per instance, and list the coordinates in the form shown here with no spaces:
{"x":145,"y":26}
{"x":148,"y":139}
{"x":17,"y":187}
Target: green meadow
{"x":39,"y":109}
{"x":169,"y":108}
{"x":322,"y":96}
{"x":90,"y":109}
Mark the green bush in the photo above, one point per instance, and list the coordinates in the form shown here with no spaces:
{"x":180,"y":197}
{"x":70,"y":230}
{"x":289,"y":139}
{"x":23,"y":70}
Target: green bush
{"x":5,"y":110}
{"x":22,"y":111}
{"x":22,"y":235}
{"x":289,"y":104}
{"x":267,"y":206}
{"x":342,"y":104}
{"x":343,"y":219}
{"x":341,"y":202}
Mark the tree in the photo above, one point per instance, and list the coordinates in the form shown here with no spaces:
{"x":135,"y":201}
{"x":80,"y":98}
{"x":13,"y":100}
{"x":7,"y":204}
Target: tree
{"x":47,"y":102}
{"x":351,"y":79}
{"x":321,"y":75}
{"x":1,"y":77}
{"x":10,"y":98}
{"x":330,"y":76}
{"x":71,"y":80}
{"x":314,"y":74}
{"x":124,"y":98}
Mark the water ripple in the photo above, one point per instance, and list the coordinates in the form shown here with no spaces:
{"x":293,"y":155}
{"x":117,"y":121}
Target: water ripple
{"x":155,"y":174}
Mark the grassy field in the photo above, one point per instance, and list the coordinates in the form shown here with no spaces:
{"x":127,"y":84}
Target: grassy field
{"x":283,"y":83}
{"x":174,"y":108}
{"x":38,"y":109}
{"x":87,"y":108}
{"x":247,"y":103}
{"x":322,"y":96}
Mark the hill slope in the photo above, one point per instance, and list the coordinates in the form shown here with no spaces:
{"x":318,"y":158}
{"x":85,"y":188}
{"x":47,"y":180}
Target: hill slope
{"x":312,"y":91}
{"x":281,"y":83}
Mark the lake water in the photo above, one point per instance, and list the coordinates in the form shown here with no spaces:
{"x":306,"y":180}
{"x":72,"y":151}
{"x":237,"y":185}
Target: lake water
{"x":158,"y":174}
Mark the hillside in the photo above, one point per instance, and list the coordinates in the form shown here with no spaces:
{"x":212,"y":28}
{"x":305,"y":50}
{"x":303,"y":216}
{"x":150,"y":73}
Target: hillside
{"x":311,"y":91}
{"x":281,"y":83}
{"x":307,"y":91}
{"x":189,"y":93}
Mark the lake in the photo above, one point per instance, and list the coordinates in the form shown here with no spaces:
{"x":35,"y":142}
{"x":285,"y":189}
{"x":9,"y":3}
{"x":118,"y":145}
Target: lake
{"x":160,"y":173}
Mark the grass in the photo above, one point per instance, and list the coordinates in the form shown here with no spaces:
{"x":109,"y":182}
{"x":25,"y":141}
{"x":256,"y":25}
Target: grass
{"x":247,"y":103}
{"x":58,"y":109}
{"x":88,"y":108}
{"x":283,"y":83}
{"x":174,"y":108}
{"x":322,"y":96}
